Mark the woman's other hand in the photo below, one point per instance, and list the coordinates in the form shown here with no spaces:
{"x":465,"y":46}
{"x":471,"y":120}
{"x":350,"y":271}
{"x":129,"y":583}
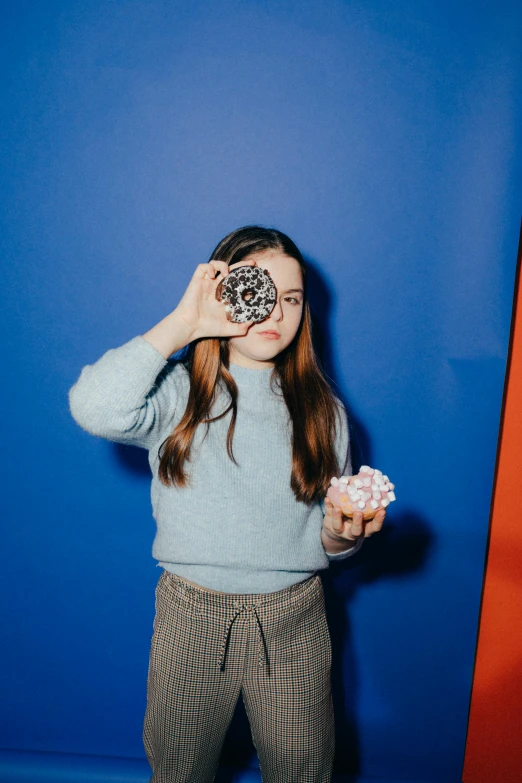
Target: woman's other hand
{"x":339,"y":532}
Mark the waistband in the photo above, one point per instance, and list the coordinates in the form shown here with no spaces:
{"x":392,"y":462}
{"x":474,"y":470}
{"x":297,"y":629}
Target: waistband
{"x":223,"y":600}
{"x":232,"y":605}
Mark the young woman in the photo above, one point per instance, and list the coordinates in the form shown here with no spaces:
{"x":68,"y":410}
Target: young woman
{"x":244,"y":434}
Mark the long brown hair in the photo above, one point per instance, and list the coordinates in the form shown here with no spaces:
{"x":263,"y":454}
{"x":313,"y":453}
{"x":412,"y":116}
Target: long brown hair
{"x":310,"y":401}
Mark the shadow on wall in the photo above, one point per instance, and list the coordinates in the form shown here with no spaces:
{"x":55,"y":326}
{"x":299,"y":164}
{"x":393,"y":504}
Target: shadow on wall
{"x":400,"y":549}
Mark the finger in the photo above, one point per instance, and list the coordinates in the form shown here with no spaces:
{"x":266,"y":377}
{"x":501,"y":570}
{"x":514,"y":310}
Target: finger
{"x":220,"y":267}
{"x":246,"y":262}
{"x":375,"y":524}
{"x":336,"y":516}
{"x":227,"y":269}
{"x":238,"y":329}
{"x":245,"y":327}
{"x":357,"y":526}
{"x":202,"y":270}
{"x":379,"y":518}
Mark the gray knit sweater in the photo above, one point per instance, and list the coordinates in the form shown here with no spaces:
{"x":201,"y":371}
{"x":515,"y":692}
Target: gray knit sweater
{"x":236,"y":528}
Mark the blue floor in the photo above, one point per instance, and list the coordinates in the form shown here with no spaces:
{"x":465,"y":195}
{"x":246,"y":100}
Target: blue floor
{"x":32,"y":767}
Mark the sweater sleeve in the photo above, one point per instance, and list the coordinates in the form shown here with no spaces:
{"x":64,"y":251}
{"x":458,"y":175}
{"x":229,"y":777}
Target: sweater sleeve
{"x":127,"y":396}
{"x":348,"y":553}
{"x":342,"y":449}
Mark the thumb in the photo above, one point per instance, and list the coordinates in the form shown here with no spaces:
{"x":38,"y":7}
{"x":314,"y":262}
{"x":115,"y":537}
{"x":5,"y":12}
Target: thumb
{"x":244,"y":327}
{"x":238,"y":329}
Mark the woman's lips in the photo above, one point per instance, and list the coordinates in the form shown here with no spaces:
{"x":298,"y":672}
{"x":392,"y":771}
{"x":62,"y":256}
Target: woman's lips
{"x":270,"y":335}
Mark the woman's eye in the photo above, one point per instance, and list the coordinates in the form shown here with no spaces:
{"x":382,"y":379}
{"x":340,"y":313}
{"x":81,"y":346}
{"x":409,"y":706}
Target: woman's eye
{"x":292,"y":299}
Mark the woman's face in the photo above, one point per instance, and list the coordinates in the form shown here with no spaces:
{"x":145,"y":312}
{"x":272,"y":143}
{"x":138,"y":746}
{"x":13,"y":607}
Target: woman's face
{"x":266,"y":339}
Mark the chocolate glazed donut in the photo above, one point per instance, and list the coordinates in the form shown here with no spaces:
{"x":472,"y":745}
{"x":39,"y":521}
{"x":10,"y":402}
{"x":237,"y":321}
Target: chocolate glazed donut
{"x":249,"y":292}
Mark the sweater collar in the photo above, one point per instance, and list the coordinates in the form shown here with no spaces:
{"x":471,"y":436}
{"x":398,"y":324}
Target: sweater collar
{"x":247,"y":376}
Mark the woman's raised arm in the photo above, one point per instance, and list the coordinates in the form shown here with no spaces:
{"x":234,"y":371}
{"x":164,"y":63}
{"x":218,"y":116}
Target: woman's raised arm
{"x":130,"y":394}
{"x":124,"y":396}
{"x":199,"y":314}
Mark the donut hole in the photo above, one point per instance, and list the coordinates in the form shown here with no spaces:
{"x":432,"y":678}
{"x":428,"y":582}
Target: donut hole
{"x":247,"y":295}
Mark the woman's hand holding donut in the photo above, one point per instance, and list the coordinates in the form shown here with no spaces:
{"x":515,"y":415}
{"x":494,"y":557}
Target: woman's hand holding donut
{"x":199,"y":314}
{"x":199,"y":309}
{"x":340,"y":531}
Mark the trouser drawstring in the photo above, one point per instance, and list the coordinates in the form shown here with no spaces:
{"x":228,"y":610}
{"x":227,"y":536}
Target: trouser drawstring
{"x":263,"y":649}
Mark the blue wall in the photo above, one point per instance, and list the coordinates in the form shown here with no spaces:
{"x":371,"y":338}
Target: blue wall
{"x":381,"y":138}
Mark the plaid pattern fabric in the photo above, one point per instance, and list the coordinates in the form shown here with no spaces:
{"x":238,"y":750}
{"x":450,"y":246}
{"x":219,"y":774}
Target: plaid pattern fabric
{"x":209,"y":648}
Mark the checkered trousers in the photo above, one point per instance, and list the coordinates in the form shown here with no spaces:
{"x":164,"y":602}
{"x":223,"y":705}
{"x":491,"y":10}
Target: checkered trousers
{"x":209,"y":648}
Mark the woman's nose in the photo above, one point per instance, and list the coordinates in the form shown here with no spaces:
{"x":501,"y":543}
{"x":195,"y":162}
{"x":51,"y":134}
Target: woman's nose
{"x":277,"y":312}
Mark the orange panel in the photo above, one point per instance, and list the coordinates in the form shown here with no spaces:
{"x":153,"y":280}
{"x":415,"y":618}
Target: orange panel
{"x":494,"y":743}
